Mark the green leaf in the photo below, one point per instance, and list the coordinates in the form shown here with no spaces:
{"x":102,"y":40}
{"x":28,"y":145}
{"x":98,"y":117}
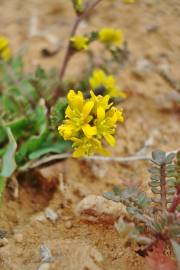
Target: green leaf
{"x":171,"y":190}
{"x":154,"y":170}
{"x":58,"y":112}
{"x":3,"y":134}
{"x":18,"y":126}
{"x":29,"y":90}
{"x":35,"y":141}
{"x":176,"y":248}
{"x":155,"y":190}
{"x":8,"y":159}
{"x":170,"y":158}
{"x":117,"y":190}
{"x":175,"y":230}
{"x":142,"y":200}
{"x":9,"y":104}
{"x":111,"y":196}
{"x":155,"y":177}
{"x":154,"y":184}
{"x":2,"y":185}
{"x":158,"y":226}
{"x":40,"y":73}
{"x":159,"y":157}
{"x":171,"y":183}
{"x":17,"y":65}
{"x":40,"y":117}
{"x":56,"y":148}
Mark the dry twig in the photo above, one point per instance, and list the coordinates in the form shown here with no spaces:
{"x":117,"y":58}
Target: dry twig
{"x":37,"y":163}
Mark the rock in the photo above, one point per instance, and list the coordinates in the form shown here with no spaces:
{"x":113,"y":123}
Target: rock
{"x":100,"y":210}
{"x":143,"y":67}
{"x":44,"y":266}
{"x":18,"y":237}
{"x":3,"y":242}
{"x":68,"y":224}
{"x":45,"y":253}
{"x":51,"y":214}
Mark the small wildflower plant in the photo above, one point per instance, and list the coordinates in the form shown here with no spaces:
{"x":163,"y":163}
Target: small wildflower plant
{"x":37,"y":116}
{"x":153,"y":218}
{"x":89,"y":121}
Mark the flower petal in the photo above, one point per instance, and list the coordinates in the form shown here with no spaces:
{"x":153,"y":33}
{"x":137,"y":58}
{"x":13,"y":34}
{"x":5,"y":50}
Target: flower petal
{"x":78,"y":152}
{"x":89,"y":131}
{"x":76,"y":101}
{"x":87,"y":108}
{"x":110,"y":139}
{"x":69,"y":112}
{"x":100,"y":113}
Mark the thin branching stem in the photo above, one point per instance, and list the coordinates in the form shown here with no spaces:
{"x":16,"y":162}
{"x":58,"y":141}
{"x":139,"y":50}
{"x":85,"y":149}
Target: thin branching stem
{"x":37,"y":163}
{"x":68,"y":50}
{"x":72,"y":33}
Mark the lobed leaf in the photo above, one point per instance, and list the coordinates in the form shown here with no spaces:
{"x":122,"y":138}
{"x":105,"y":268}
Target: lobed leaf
{"x":159,"y":157}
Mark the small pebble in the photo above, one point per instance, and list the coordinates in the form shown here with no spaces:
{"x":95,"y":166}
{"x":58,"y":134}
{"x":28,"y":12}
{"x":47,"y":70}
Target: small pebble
{"x":45,"y":253}
{"x":143,"y":67}
{"x":51,"y":214}
{"x":3,"y":233}
{"x":68,"y":224}
{"x":3,"y":242}
{"x":39,"y":217}
{"x":18,"y":237}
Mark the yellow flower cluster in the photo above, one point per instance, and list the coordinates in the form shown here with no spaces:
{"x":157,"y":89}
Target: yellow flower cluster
{"x":88,"y":122}
{"x":110,"y":36}
{"x":5,"y":52}
{"x":79,"y":43}
{"x":100,"y":79}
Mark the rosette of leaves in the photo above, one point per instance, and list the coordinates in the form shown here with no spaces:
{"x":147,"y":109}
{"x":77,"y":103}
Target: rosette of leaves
{"x":26,"y":132}
{"x":154,"y":217}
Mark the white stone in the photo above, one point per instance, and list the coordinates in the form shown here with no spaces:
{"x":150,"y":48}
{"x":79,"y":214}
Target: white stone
{"x":99,"y":209}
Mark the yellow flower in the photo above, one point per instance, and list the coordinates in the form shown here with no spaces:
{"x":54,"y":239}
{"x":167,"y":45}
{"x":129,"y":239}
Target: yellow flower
{"x":79,"y":43}
{"x":87,"y":122}
{"x":86,"y":147}
{"x":100,"y":79}
{"x":78,"y":5}
{"x":5,"y":52}
{"x":129,"y":1}
{"x":106,"y":123}
{"x":110,"y":36}
{"x":77,"y":117}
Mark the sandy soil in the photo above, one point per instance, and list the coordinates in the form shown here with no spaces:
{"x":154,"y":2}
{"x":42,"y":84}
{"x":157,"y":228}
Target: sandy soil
{"x":152,"y":30}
